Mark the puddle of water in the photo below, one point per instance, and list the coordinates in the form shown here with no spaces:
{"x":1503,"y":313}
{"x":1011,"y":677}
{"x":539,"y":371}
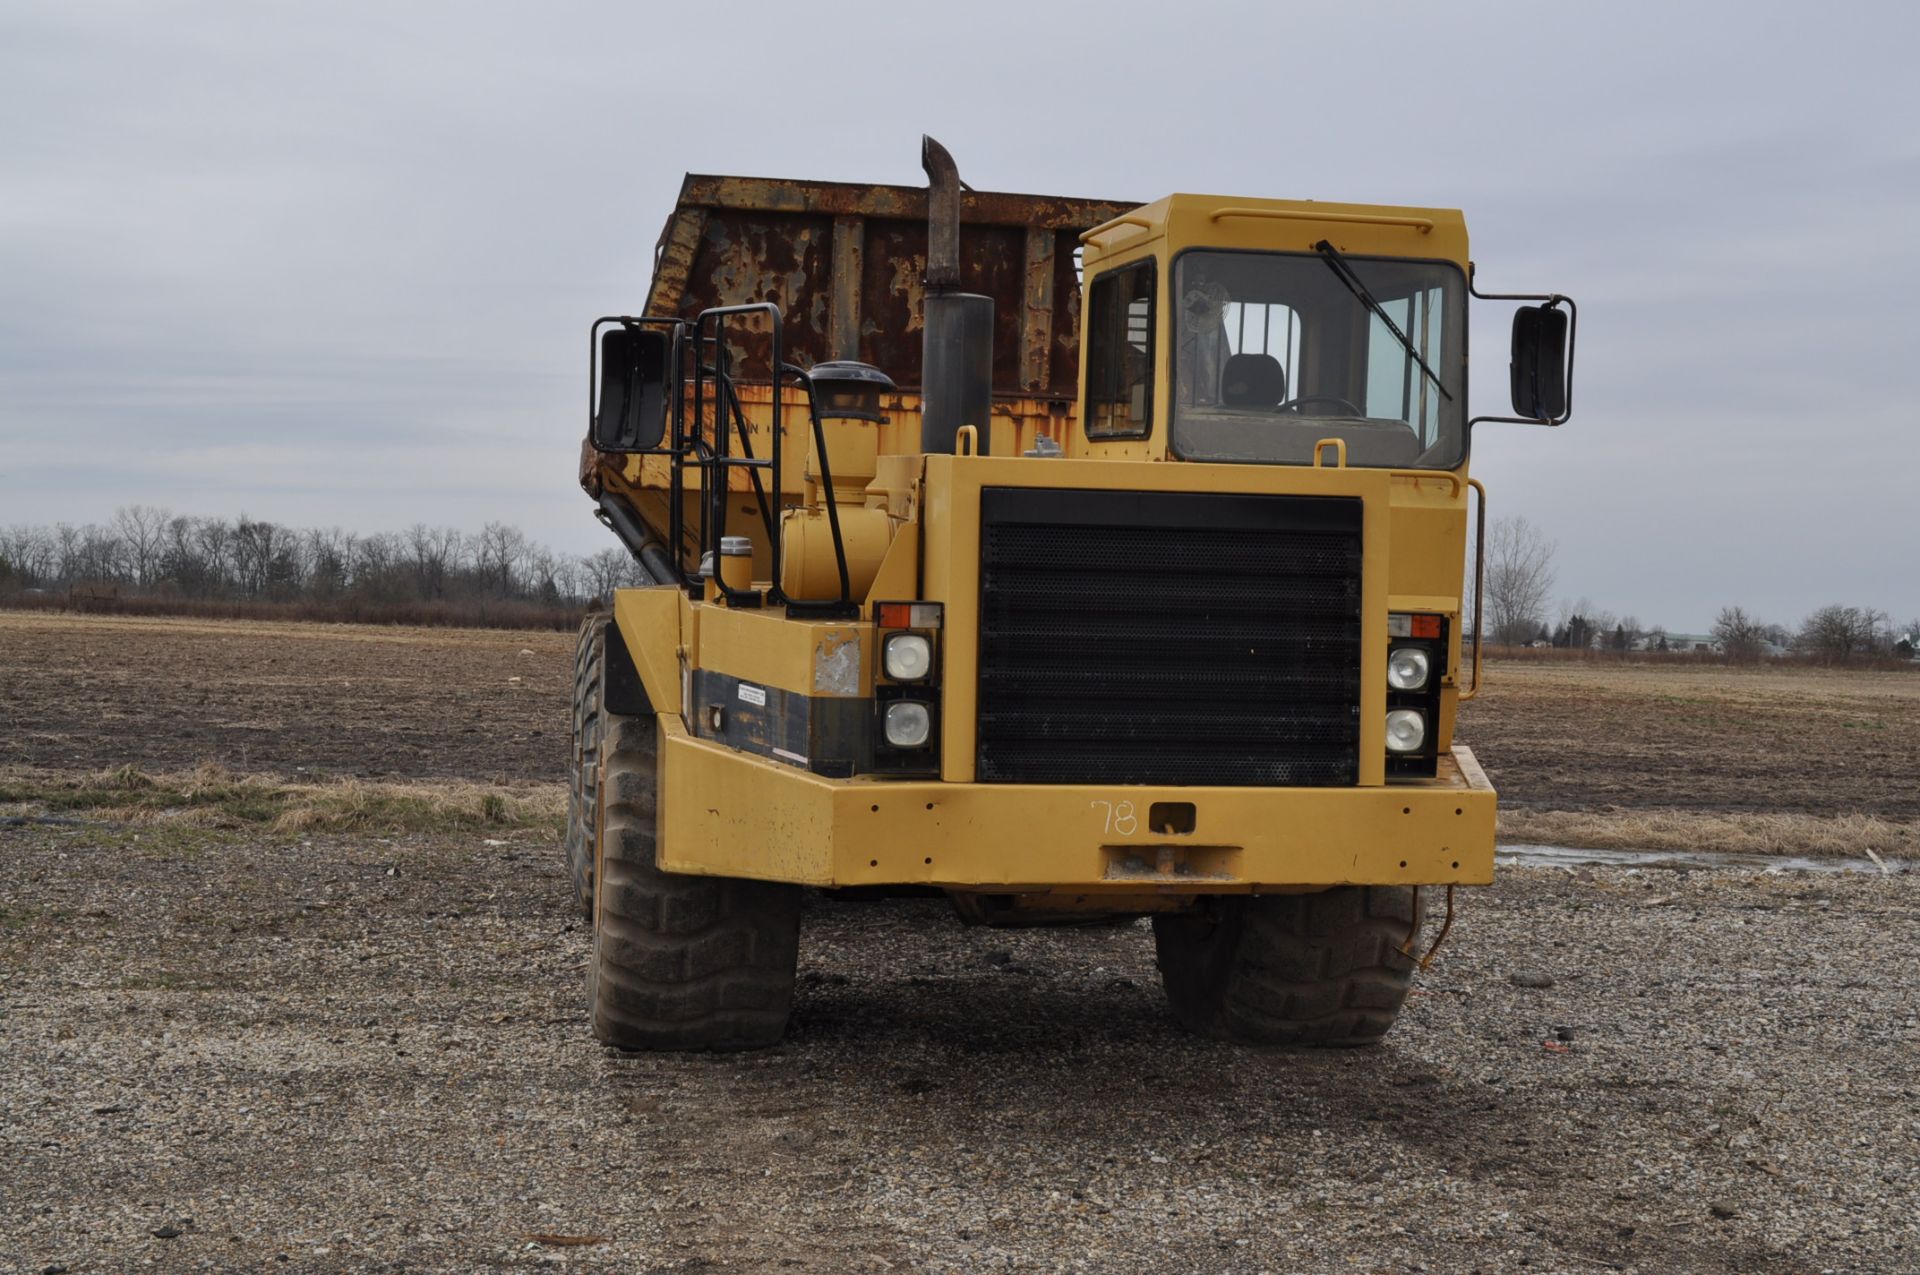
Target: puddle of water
{"x":1568,"y":857}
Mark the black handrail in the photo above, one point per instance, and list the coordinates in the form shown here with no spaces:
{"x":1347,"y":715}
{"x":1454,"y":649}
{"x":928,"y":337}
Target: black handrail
{"x":716,"y":470}
{"x":703,"y":341}
{"x":845,"y":605}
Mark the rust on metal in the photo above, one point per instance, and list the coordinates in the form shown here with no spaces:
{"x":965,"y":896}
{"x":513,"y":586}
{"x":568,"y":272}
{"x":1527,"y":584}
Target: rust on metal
{"x":843,"y":306}
{"x":943,"y":217}
{"x":847,"y":264}
{"x":1036,"y":314}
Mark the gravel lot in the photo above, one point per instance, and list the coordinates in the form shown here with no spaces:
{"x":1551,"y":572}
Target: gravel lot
{"x":371,"y":1055}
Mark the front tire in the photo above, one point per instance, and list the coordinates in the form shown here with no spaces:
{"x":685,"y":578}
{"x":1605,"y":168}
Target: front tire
{"x":1290,"y":969}
{"x":679,"y":962}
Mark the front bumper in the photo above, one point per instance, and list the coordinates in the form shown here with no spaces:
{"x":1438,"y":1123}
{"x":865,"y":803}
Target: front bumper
{"x":727,"y":813}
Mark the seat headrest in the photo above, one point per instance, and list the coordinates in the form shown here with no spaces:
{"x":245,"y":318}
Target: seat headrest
{"x":1253,"y":380}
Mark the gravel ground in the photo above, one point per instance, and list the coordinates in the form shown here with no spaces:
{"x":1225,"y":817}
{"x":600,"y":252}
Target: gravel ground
{"x":372,"y":1055}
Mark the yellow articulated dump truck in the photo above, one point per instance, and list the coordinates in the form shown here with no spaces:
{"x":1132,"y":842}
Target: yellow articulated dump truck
{"x":1074,"y":558}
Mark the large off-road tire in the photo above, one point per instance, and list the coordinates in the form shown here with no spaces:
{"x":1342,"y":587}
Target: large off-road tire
{"x":1290,"y":969}
{"x":679,"y":962}
{"x":589,"y":659}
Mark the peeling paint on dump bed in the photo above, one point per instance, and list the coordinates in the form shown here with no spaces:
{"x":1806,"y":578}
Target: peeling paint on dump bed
{"x":846,"y":264}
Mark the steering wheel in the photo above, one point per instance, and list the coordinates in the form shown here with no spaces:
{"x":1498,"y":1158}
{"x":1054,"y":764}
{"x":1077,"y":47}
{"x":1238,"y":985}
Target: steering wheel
{"x":1293,"y":405}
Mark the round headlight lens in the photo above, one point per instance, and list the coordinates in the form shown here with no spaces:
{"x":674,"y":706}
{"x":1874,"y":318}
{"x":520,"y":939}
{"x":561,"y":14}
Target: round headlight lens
{"x":908,"y":724}
{"x":1406,"y":730}
{"x":1407,"y":668}
{"x":909,"y":657}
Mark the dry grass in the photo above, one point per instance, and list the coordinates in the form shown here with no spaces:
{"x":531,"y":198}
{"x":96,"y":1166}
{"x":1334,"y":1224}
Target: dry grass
{"x":213,"y":796}
{"x":1830,"y":836}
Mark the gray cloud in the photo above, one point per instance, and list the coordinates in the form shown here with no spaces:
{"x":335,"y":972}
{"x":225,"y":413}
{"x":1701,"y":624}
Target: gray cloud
{"x":335,"y":265}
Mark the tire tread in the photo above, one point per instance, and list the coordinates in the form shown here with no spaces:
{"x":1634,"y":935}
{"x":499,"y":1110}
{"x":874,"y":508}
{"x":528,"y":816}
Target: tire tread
{"x":1299,"y":969}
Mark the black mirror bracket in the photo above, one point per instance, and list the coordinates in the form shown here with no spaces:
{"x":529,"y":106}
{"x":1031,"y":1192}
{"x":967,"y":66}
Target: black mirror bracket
{"x":1549,"y":301}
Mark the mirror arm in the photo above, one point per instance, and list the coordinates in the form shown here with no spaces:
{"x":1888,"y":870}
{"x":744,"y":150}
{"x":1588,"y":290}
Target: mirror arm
{"x":1573,"y":330}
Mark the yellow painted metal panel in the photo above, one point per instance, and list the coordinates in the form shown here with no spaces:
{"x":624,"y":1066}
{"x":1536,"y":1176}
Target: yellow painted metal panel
{"x":649,"y":621}
{"x":763,"y":646}
{"x":731,"y":814}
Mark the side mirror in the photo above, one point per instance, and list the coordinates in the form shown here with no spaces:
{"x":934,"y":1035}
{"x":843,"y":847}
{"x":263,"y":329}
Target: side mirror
{"x":630,"y":414}
{"x":1540,"y":363}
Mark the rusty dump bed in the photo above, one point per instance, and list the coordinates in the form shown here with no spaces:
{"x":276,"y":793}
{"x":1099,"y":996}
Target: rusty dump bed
{"x":846,"y":263}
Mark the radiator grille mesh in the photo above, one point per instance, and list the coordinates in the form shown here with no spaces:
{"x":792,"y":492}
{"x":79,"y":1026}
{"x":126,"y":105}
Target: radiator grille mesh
{"x":1169,"y":638}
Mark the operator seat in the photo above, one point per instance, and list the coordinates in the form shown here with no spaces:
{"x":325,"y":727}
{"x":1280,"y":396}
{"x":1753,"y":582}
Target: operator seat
{"x":1253,"y":380}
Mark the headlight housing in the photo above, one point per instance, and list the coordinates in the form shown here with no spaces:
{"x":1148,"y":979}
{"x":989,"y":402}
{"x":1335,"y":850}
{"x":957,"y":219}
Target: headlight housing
{"x":909,"y":724}
{"x":1406,"y":730}
{"x":908,"y":657}
{"x":1408,"y":668}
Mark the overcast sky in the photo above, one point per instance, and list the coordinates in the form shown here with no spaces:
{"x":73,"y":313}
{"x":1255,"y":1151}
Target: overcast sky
{"x":334,"y":264}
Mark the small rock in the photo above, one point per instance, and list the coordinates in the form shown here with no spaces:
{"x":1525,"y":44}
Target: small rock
{"x":1723,"y":1211}
{"x":1564,"y":1032}
{"x":55,"y":1269}
{"x":166,"y":1233}
{"x":1530,"y":978}
{"x":1001,"y":957}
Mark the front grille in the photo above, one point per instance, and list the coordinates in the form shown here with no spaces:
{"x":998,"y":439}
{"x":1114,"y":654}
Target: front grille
{"x":1168,"y":638}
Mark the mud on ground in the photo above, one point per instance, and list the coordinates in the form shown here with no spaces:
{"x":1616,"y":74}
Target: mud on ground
{"x":99,"y":692}
{"x":1707,"y":737}
{"x":371,"y":1054}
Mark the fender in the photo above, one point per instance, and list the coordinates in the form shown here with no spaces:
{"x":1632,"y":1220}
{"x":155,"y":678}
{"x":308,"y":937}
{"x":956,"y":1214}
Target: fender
{"x":643,"y":651}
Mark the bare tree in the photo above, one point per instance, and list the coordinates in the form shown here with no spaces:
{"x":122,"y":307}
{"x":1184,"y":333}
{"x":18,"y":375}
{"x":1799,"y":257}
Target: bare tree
{"x":330,"y":553}
{"x":433,"y":551}
{"x":215,"y":540}
{"x":99,"y":557}
{"x":607,"y":570}
{"x":150,"y":550}
{"x":1742,"y":637}
{"x":498,"y":554}
{"x":31,"y":551}
{"x":143,"y":533}
{"x":1838,"y":633}
{"x":1519,"y":579}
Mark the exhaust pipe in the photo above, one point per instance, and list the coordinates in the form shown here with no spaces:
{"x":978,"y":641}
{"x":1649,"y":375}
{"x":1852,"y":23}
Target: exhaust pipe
{"x":956,"y":365}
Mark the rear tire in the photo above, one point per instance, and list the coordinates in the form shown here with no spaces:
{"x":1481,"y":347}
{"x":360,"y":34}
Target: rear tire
{"x":679,"y":962}
{"x":1290,"y":969}
{"x":589,"y":660}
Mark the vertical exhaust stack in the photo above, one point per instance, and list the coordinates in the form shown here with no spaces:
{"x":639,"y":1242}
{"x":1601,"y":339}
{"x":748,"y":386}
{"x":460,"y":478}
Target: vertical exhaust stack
{"x":956,"y":379}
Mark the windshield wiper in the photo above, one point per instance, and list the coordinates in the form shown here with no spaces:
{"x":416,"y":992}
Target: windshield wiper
{"x":1338,"y":264}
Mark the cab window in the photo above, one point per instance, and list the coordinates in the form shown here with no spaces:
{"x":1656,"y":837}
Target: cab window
{"x":1120,"y":333}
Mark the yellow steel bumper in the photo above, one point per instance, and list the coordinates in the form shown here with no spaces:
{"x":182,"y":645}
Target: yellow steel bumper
{"x":726,"y":813}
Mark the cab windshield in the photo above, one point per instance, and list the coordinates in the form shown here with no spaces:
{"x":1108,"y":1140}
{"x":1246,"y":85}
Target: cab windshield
{"x":1276,"y":351}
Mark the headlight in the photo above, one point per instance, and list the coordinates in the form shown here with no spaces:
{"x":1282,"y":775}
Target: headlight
{"x":908,"y":724}
{"x":909,"y":657}
{"x":1406,"y":730}
{"x":1407,"y":668}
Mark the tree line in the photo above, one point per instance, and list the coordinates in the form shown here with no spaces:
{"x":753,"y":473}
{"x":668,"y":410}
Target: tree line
{"x":148,"y":552}
{"x":1519,"y":611}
